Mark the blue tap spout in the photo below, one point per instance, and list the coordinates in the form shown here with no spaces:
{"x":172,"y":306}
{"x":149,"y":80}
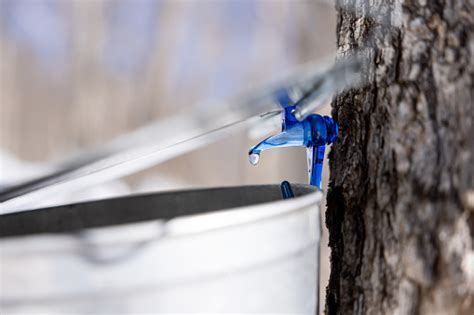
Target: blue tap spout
{"x":293,"y":137}
{"x":314,"y":133}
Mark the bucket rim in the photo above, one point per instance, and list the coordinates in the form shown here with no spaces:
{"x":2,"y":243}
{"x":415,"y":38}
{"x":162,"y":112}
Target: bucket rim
{"x":176,"y":223}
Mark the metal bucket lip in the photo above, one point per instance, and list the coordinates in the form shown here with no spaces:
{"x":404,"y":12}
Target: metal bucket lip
{"x":27,"y":223}
{"x":233,"y":217}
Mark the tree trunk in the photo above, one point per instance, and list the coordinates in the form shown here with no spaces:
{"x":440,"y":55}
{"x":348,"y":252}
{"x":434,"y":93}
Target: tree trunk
{"x":401,"y":197}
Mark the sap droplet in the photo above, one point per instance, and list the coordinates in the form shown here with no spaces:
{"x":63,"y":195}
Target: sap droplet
{"x":254,"y":158}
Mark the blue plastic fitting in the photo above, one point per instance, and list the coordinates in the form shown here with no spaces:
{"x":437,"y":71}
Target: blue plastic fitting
{"x":314,"y":133}
{"x":286,"y":190}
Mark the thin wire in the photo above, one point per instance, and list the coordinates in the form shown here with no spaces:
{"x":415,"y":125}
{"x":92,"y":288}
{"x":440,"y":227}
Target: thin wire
{"x":175,"y":136}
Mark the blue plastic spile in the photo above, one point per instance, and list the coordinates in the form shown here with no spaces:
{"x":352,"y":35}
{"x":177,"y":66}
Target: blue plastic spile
{"x":314,"y":133}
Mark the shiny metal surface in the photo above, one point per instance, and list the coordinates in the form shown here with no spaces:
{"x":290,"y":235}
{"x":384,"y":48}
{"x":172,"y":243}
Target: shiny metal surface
{"x":238,"y":249}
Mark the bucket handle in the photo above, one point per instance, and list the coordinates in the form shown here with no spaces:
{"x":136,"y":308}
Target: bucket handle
{"x":101,"y":253}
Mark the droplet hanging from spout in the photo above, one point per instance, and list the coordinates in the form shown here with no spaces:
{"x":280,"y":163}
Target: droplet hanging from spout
{"x":314,"y":133}
{"x":254,"y":158}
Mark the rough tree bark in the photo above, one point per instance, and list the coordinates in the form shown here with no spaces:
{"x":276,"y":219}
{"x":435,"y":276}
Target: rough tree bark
{"x":400,"y":202}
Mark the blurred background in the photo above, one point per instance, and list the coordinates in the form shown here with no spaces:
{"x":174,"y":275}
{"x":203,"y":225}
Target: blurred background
{"x":77,"y":73}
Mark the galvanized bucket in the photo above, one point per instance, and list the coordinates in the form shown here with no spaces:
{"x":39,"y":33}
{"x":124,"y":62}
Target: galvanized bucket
{"x":236,"y":249}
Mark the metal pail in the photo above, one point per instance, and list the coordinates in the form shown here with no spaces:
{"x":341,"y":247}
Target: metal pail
{"x":236,"y":249}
